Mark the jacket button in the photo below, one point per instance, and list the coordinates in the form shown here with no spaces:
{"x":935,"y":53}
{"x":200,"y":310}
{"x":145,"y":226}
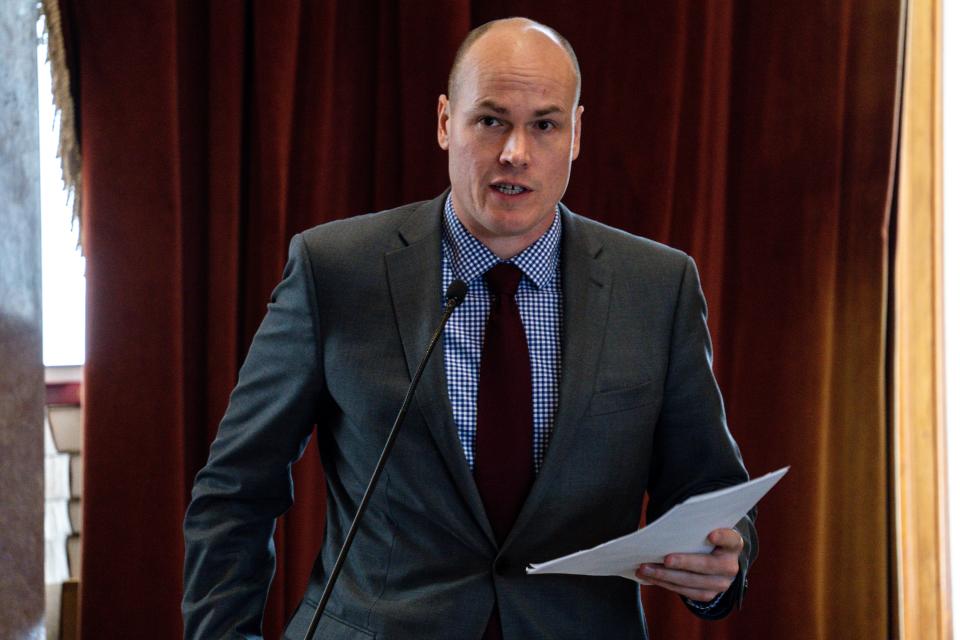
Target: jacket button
{"x":501,"y":567}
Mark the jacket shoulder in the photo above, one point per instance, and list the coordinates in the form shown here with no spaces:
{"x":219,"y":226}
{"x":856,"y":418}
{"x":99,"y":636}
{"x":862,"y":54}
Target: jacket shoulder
{"x":622,"y":248}
{"x":369,"y":231}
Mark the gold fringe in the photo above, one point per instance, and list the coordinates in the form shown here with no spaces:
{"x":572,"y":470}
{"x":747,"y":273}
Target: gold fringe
{"x":69,"y":148}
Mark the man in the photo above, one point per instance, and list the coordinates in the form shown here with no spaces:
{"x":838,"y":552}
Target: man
{"x":574,"y":378}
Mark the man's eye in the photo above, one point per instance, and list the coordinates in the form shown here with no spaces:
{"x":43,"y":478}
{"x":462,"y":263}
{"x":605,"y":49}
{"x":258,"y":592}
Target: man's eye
{"x":546,"y":125}
{"x":489,"y":121}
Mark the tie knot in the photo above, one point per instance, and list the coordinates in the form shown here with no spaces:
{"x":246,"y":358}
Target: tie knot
{"x":503,"y":279}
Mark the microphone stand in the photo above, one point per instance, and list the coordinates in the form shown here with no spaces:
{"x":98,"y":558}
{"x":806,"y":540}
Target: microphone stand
{"x":455,"y":295}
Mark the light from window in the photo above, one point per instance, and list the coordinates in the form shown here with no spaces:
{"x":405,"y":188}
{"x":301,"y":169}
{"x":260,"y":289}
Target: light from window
{"x":64,"y":285}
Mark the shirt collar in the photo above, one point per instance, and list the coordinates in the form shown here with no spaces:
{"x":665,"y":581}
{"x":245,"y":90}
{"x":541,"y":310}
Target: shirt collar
{"x":470,"y":258}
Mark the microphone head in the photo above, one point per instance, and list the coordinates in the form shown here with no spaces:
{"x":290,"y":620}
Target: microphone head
{"x":456,"y":292}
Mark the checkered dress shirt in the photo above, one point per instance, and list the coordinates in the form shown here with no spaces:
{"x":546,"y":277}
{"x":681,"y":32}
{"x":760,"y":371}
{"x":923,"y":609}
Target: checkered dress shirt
{"x":540,"y":299}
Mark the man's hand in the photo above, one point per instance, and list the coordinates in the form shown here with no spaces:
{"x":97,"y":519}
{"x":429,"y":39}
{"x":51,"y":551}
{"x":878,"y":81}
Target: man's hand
{"x":698,"y":576}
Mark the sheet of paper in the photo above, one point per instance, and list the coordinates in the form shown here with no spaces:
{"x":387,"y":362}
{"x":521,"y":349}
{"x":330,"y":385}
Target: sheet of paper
{"x":682,"y":529}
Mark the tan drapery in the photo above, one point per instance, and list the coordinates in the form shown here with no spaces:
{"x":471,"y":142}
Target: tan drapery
{"x":922,"y":568}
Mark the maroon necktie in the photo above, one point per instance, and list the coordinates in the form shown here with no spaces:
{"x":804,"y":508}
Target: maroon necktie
{"x":503,"y":468}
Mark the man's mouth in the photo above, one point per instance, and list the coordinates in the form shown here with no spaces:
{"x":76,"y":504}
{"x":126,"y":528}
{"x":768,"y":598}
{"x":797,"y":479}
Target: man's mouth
{"x":509,"y":189}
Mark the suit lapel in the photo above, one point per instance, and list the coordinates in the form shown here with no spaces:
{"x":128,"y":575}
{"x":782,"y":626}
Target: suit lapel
{"x":586,"y":298}
{"x":413,"y":272}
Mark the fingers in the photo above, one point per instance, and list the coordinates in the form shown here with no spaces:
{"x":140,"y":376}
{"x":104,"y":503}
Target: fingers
{"x":718,"y":563}
{"x":682,"y":578}
{"x":699,"y":576}
{"x":694,"y":586}
{"x":726,"y":539}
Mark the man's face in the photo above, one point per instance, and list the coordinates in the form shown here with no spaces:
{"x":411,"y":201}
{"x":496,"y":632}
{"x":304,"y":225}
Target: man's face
{"x":511,"y":130}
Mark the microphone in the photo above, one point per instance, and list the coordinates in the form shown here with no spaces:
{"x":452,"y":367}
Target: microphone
{"x":455,"y":295}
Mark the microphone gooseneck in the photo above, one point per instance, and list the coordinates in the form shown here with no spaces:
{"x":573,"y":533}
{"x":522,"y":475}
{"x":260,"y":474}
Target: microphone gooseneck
{"x":456,"y":293}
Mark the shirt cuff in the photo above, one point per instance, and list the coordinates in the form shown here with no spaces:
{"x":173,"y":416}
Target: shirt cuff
{"x":703,"y":607}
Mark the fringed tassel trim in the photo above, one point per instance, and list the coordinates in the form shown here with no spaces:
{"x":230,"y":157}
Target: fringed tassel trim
{"x":69,"y":149}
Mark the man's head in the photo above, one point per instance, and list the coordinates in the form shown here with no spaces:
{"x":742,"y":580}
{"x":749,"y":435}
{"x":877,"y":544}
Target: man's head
{"x":511,"y":126}
{"x":475,"y":34}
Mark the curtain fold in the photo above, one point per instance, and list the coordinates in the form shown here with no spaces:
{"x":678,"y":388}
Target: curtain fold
{"x":757,"y":137}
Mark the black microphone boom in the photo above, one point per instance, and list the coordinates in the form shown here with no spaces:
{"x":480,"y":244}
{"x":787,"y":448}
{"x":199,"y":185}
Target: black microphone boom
{"x":455,"y":295}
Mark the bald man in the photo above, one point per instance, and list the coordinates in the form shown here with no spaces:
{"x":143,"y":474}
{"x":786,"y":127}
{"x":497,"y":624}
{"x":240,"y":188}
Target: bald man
{"x":574,"y":378}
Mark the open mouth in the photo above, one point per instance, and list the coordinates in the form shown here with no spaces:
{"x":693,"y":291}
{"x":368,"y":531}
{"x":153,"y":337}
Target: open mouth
{"x":509,"y":189}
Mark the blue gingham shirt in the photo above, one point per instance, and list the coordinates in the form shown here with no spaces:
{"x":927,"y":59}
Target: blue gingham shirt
{"x":540,"y":299}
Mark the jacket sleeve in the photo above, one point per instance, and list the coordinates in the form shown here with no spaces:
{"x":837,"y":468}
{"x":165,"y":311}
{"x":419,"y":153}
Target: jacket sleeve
{"x":693,"y":449}
{"x":246,"y":483}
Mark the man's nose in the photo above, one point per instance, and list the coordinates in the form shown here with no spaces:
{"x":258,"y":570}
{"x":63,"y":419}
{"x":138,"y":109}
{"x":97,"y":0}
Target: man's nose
{"x":516,"y":149}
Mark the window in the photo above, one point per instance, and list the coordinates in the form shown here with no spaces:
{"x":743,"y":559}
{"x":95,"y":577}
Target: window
{"x":64,"y":285}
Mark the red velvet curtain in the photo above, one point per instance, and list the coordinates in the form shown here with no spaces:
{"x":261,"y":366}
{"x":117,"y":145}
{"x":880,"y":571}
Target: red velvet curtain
{"x":756,"y":136}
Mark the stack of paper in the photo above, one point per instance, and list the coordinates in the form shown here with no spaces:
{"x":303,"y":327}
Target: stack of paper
{"x":682,"y":529}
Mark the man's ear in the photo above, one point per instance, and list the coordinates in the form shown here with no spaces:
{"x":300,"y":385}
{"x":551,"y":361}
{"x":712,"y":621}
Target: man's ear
{"x":575,"y":151}
{"x":443,"y":121}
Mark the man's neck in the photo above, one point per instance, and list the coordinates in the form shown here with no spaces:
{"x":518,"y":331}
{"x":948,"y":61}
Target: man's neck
{"x":505,"y":247}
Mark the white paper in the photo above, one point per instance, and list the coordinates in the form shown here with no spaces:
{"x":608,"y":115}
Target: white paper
{"x":682,"y":529}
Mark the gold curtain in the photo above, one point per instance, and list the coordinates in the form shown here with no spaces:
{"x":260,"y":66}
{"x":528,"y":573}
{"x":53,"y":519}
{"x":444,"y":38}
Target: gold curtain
{"x":922,"y":569}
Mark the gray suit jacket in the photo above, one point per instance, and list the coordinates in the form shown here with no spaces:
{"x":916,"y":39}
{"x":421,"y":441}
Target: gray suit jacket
{"x":639,"y":412}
